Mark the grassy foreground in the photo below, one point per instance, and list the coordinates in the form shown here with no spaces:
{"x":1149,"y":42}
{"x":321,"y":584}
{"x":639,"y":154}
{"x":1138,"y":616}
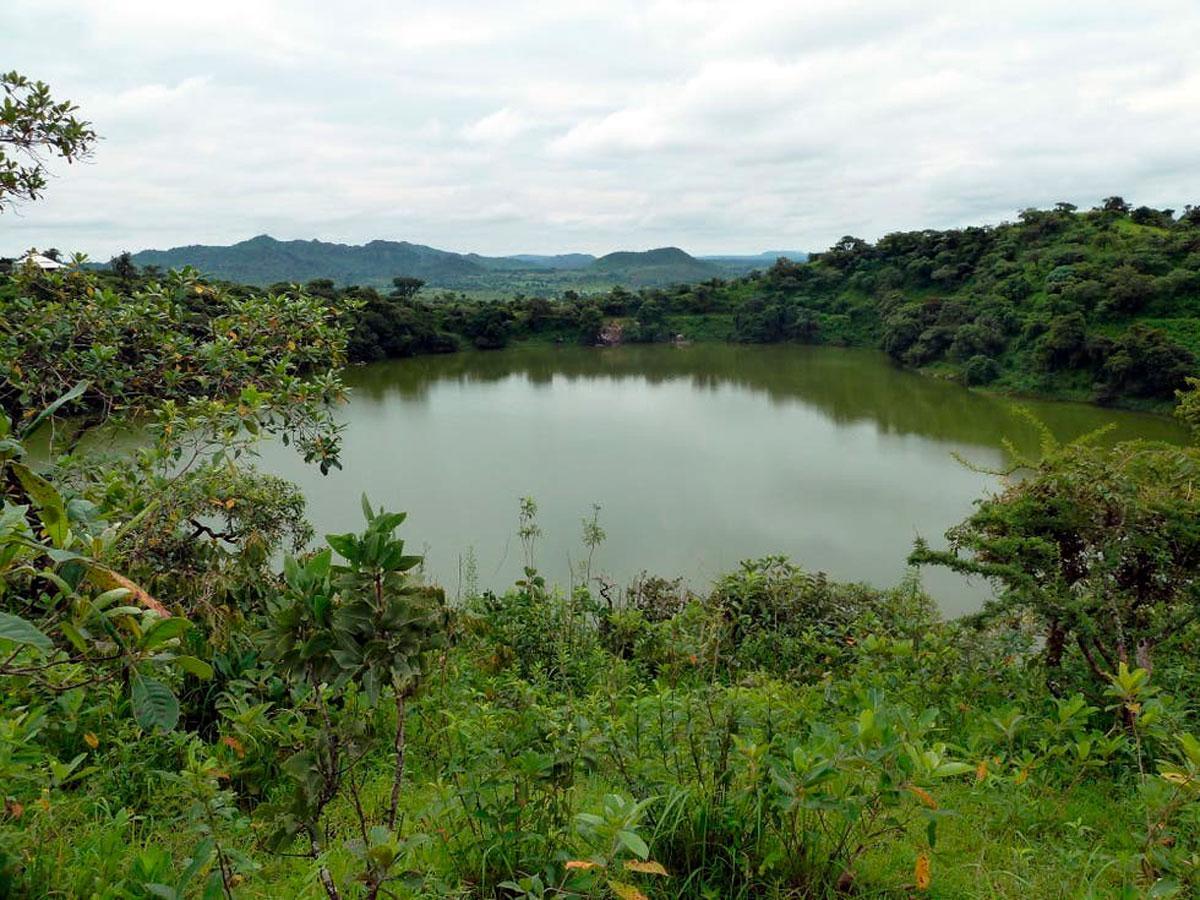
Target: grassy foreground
{"x":783,"y":737}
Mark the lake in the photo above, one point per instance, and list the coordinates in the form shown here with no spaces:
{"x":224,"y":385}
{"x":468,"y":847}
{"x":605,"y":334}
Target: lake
{"x":699,"y":457}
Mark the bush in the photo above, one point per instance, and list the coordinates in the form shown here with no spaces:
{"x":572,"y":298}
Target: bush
{"x":981,"y":370}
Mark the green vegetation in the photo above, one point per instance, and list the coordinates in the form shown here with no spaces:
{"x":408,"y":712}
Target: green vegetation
{"x":33,"y":125}
{"x":178,"y":717}
{"x":1100,"y":305}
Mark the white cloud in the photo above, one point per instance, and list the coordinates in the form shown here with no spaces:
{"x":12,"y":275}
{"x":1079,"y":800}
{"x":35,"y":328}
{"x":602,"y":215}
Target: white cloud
{"x":499,"y":127}
{"x":710,"y":124}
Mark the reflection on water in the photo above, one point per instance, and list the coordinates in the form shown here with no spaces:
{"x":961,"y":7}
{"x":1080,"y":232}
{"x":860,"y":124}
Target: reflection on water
{"x":700,"y":456}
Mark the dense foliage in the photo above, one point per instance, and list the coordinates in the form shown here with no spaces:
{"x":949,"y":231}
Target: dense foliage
{"x":1100,"y":305}
{"x":781,"y":735}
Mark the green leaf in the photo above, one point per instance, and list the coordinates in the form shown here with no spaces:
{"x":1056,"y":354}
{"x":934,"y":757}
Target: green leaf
{"x":214,"y":888}
{"x":291,"y":572}
{"x":15,"y":629}
{"x":73,"y":394}
{"x":194,"y":666}
{"x":320,"y":564}
{"x":633,"y":843}
{"x":947,"y":769}
{"x":200,"y":857}
{"x":47,"y":499}
{"x":154,"y":706}
{"x":73,"y":635}
{"x":162,"y":631}
{"x":346,"y":545}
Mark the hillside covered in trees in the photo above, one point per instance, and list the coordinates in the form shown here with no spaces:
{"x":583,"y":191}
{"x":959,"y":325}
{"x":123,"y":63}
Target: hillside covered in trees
{"x":1102,"y":305}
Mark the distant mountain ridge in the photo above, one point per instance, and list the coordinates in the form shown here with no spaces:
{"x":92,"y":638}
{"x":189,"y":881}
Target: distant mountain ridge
{"x":264,"y":260}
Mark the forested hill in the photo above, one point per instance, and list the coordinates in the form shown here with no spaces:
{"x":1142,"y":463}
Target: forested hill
{"x":263,"y":260}
{"x":667,"y":265}
{"x":1101,"y":305}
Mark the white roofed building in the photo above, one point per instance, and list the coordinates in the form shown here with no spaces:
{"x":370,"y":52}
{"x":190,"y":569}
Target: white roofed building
{"x":42,"y":262}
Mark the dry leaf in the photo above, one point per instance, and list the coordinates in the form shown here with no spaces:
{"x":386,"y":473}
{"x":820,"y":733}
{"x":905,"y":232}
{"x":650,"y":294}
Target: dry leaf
{"x":580,"y":864}
{"x":981,"y":770}
{"x":924,"y":796}
{"x":921,"y":873}
{"x":626,"y":891}
{"x":649,"y":867}
{"x":235,"y":745}
{"x":91,"y":740}
{"x":14,"y":809}
{"x":107,"y":580}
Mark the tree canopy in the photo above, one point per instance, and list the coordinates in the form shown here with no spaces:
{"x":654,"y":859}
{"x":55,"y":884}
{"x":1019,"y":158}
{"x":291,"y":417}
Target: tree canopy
{"x":33,"y":126}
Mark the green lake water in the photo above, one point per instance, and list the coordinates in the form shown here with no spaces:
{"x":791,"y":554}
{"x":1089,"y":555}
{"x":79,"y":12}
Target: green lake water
{"x":699,"y":456}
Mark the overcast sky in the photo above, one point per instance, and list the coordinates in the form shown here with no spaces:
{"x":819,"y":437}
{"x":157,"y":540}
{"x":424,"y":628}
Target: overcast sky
{"x":545,"y":126}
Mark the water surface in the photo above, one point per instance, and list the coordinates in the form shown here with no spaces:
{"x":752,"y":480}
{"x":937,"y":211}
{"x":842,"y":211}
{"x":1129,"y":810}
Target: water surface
{"x":699,"y":456}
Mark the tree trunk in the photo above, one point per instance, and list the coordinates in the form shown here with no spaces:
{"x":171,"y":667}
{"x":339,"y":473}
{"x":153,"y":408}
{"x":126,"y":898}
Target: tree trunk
{"x":1142,"y":656}
{"x":326,"y":879}
{"x":1056,"y":640}
{"x":398,"y":773}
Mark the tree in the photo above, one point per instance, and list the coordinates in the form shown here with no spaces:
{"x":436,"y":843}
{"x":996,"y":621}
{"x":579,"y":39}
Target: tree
{"x":1143,"y":362}
{"x":32,"y":126}
{"x":846,"y":251}
{"x":981,"y":369}
{"x":651,"y":322}
{"x":124,"y":268}
{"x":199,"y":359}
{"x":1099,"y":544}
{"x":1115,"y":204}
{"x":488,"y":326}
{"x":1145,"y":215}
{"x":347,"y":634}
{"x":405,"y":288}
{"x":1063,"y":343}
{"x":591,"y":320}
